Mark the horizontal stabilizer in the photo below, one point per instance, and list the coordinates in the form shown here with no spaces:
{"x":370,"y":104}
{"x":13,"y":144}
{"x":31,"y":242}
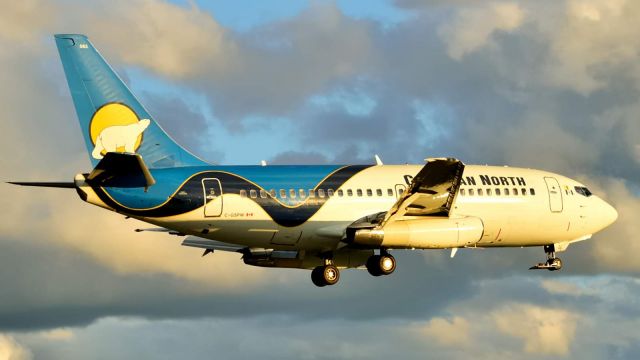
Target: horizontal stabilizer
{"x":61,"y":185}
{"x":123,"y":170}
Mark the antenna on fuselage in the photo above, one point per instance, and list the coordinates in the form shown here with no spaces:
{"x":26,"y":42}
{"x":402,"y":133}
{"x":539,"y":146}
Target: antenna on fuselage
{"x":263,"y":162}
{"x":378,"y":160}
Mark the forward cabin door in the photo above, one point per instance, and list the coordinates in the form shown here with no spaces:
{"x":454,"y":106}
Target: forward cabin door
{"x":212,"y":197}
{"x":555,"y":194}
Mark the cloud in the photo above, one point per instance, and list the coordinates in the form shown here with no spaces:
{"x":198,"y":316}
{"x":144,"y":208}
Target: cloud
{"x":592,"y":40}
{"x":472,"y":27}
{"x":615,"y":247}
{"x":280,"y":65}
{"x":454,"y":332}
{"x":22,"y":21}
{"x":10,"y":349}
{"x":297,"y":157}
{"x":174,"y":41}
{"x":58,"y":334}
{"x":543,"y":330}
{"x":562,"y":288}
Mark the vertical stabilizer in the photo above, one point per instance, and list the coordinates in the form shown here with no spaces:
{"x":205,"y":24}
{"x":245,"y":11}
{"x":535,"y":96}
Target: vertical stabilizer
{"x":111,"y":118}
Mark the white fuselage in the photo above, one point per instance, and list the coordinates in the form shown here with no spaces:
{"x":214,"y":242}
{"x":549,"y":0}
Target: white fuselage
{"x":516,"y":206}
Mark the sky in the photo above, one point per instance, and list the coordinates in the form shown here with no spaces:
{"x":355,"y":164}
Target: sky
{"x":552,"y":85}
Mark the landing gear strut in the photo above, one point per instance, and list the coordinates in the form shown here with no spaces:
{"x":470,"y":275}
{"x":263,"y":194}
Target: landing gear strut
{"x":325,"y":275}
{"x":383,"y":264}
{"x":553,"y":263}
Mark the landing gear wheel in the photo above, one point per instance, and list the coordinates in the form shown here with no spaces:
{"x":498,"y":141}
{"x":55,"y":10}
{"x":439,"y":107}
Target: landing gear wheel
{"x":552,"y":264}
{"x":316,"y":277}
{"x":325,"y":275}
{"x":383,"y":264}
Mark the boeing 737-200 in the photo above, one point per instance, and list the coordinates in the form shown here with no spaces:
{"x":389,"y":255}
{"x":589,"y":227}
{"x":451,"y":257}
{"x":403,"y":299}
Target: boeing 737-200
{"x":322,"y":218}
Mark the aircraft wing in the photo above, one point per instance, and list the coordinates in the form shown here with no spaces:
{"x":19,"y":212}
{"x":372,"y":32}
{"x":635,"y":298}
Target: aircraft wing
{"x":421,"y":216}
{"x":431,"y":192}
{"x":207,"y":244}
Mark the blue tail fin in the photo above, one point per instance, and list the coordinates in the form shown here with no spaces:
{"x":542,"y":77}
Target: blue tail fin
{"x":111,"y":118}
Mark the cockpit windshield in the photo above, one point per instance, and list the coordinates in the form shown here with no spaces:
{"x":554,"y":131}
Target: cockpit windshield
{"x":583,"y":191}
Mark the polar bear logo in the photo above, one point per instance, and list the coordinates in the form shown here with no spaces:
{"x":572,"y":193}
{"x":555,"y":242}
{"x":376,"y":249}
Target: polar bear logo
{"x":119,"y":136}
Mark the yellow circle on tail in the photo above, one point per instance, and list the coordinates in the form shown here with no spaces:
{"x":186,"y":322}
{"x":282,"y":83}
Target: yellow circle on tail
{"x":112,"y":115}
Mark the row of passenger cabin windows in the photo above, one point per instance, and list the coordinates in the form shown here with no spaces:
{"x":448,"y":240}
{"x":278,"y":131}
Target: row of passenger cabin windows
{"x":497,"y":192}
{"x":311,"y":193}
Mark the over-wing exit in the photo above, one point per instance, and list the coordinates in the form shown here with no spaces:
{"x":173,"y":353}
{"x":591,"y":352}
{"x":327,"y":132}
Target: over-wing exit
{"x":321,"y":218}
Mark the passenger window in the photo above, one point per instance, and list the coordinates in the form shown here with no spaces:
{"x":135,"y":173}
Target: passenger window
{"x":461,"y":192}
{"x":330,"y":192}
{"x":253,"y":193}
{"x":379,"y":192}
{"x":524,"y":191}
{"x":312,"y":193}
{"x":283,"y":194}
{"x":389,"y":192}
{"x":488,"y":192}
{"x":340,"y":193}
{"x":359,"y":192}
{"x":349,"y":192}
{"x":243,"y":193}
{"x":506,"y":192}
{"x":292,"y":193}
{"x":369,"y":192}
{"x":302,"y":194}
{"x":470,"y":192}
{"x":321,"y":193}
{"x":515,"y":191}
{"x":263,"y":194}
{"x":497,"y":192}
{"x":532,"y":191}
{"x":479,"y":192}
{"x":273,"y":193}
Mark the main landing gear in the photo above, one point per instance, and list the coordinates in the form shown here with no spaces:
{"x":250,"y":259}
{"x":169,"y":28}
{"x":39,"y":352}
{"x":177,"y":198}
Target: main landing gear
{"x":377,"y":265}
{"x":325,"y":275}
{"x":383,"y":264}
{"x":553,"y":263}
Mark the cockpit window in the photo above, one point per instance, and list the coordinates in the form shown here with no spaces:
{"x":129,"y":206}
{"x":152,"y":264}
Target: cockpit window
{"x":583,"y":191}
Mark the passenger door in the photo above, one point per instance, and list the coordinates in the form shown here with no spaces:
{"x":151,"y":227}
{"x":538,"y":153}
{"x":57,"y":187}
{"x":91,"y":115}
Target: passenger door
{"x":555,"y":194}
{"x":212,"y":197}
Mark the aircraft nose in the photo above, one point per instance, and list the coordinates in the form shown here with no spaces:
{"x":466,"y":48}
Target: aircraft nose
{"x":608,"y":214}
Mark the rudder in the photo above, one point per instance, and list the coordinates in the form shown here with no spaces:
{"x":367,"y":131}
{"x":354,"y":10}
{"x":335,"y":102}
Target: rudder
{"x":111,"y":118}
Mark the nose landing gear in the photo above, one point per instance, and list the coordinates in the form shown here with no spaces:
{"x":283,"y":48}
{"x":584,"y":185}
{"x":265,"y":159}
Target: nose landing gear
{"x":552,"y":264}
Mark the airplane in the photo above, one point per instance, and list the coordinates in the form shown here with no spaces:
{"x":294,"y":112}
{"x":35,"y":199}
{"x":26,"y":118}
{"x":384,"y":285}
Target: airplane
{"x":322,"y":218}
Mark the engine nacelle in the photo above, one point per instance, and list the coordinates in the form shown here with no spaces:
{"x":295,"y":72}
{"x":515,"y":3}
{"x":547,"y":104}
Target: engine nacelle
{"x":423,"y":233}
{"x":346,"y":258}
